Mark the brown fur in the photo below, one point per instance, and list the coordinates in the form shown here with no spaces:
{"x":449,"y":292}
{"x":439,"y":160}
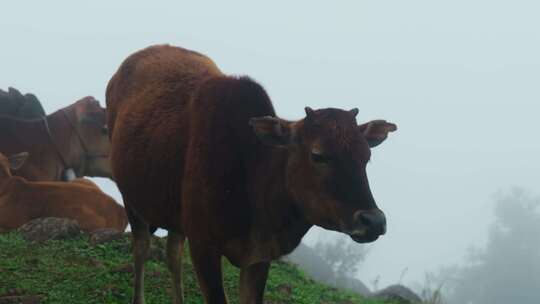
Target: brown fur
{"x":187,"y":160}
{"x":22,"y":200}
{"x":44,"y":163}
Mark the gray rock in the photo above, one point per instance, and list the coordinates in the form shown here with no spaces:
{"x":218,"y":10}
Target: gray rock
{"x":49,"y":228}
{"x":399,"y":294}
{"x":100,"y":236}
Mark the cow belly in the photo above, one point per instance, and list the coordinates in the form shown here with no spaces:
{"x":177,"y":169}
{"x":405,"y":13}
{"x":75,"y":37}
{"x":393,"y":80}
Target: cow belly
{"x":150,"y":187}
{"x":13,"y":215}
{"x":157,"y":210}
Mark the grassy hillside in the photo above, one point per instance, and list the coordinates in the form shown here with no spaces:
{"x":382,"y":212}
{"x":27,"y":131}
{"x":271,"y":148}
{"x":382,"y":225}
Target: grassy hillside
{"x":76,"y":271}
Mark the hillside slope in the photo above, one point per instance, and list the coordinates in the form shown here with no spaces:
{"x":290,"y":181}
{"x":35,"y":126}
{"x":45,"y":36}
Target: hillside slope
{"x":75,"y":271}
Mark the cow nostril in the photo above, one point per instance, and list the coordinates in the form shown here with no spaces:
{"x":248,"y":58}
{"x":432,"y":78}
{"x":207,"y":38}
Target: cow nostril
{"x":375,"y":221}
{"x":366,"y":219}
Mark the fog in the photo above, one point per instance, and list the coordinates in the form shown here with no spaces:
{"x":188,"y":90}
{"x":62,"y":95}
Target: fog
{"x":459,"y":78}
{"x":507,"y":269}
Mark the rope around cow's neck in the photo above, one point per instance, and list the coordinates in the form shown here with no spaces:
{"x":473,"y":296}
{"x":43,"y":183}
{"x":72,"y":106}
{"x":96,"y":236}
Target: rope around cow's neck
{"x":67,"y":173}
{"x":86,"y":152}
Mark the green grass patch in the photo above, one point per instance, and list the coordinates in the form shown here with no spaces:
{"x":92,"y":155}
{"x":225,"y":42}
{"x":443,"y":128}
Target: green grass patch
{"x":74,"y":271}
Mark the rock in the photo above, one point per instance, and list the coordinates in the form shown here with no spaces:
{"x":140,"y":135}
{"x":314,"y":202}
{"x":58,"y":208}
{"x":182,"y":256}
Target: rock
{"x":49,"y":228}
{"x":399,"y":294}
{"x":100,"y":236}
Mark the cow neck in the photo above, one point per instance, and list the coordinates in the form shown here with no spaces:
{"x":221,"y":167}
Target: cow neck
{"x":84,"y":146}
{"x":277,"y":215}
{"x":65,"y":141}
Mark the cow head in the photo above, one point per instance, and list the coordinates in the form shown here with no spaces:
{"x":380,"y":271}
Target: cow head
{"x":90,"y":121}
{"x":13,"y":162}
{"x":326,"y":168}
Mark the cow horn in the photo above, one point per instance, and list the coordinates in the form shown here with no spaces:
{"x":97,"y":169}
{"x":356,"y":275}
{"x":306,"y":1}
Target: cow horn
{"x":309,"y":112}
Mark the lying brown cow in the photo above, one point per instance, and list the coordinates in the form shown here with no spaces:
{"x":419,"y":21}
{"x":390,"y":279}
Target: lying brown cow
{"x":204,"y":156}
{"x":22,"y":201}
{"x":74,"y":137}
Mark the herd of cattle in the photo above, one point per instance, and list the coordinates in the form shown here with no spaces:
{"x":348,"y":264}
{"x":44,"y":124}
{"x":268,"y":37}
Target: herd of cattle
{"x":43,"y":159}
{"x":200,"y":154}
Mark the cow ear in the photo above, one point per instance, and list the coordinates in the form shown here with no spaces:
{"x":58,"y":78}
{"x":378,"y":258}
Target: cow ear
{"x":376,"y":131}
{"x":17,"y":160}
{"x":271,"y":131}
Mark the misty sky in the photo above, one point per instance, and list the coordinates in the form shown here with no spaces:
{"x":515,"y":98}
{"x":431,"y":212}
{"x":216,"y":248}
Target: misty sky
{"x":460,"y":79}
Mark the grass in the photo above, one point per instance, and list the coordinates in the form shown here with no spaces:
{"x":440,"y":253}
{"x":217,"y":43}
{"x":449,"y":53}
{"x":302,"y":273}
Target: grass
{"x":75,"y":271}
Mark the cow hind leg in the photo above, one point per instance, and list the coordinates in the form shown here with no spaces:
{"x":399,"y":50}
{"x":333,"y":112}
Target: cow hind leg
{"x":175,"y":250}
{"x":141,"y":244}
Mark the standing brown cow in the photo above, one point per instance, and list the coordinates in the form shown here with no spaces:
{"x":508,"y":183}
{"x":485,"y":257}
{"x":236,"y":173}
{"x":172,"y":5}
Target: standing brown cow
{"x":203,"y":155}
{"x":74,"y":137}
{"x":22,"y":200}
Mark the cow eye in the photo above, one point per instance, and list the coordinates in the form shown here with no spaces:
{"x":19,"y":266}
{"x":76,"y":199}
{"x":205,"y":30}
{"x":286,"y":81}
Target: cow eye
{"x":320,"y":158}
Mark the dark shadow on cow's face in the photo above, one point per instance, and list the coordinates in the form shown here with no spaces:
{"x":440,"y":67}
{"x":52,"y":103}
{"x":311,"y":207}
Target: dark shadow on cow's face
{"x":326,"y":169}
{"x":92,"y":126}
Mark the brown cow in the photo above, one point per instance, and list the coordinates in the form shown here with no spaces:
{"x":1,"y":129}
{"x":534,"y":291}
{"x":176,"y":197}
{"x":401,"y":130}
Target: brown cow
{"x":22,"y":200}
{"x":204,"y":156}
{"x":73,"y":137}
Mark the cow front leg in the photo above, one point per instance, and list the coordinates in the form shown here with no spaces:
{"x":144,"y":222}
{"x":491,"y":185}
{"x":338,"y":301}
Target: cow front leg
{"x":175,"y":250}
{"x":207,"y":264}
{"x":252,"y":283}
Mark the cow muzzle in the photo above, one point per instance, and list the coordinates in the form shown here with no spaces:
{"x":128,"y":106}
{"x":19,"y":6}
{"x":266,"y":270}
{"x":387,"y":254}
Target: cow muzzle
{"x":369,"y":225}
